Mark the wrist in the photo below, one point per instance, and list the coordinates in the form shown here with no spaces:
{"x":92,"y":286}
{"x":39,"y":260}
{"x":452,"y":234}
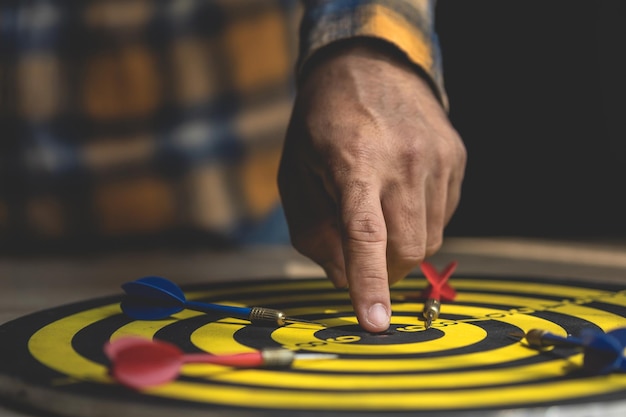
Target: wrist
{"x":366,"y":50}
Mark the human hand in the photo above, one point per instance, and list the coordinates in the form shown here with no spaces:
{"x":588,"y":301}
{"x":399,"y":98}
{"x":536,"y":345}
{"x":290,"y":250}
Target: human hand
{"x":371,"y":173}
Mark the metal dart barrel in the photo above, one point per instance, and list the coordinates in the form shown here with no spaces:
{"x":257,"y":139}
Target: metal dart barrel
{"x":260,"y":315}
{"x":279,"y":357}
{"x":542,"y":338}
{"x":432,"y":307}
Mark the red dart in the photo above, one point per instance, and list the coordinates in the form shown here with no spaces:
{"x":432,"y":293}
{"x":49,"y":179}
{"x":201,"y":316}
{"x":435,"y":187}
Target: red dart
{"x":438,"y":289}
{"x":141,"y":363}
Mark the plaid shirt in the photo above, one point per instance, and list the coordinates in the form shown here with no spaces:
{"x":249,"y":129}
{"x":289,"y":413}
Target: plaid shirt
{"x":136,"y":118}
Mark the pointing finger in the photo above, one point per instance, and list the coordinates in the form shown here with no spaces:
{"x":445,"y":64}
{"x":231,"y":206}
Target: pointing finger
{"x":364,"y":242}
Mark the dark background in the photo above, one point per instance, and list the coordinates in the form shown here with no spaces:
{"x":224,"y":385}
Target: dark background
{"x":537,"y":92}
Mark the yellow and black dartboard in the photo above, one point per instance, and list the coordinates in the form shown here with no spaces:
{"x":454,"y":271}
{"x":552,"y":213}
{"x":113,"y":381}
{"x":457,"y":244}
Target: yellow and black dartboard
{"x":467,"y":363}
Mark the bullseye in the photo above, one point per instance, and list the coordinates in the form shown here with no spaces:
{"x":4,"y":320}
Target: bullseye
{"x":360,"y":343}
{"x":392,"y":336}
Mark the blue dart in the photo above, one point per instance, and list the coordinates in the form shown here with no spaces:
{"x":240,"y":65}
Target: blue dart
{"x":154,"y":298}
{"x":603,"y":352}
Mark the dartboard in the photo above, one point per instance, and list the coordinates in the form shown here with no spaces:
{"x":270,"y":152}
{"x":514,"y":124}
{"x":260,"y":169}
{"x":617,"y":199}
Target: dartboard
{"x":470,"y":360}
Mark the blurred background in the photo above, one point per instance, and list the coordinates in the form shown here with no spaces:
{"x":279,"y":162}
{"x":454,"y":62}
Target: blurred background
{"x":538,"y":93}
{"x":135,"y":124}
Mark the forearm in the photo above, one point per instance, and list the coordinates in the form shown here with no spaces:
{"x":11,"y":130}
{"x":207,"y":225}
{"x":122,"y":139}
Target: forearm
{"x":404,"y":28}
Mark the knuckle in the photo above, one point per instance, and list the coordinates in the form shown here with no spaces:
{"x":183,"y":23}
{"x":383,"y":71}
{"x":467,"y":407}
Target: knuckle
{"x":450,"y":148}
{"x":409,"y":256}
{"x":409,"y":159}
{"x":455,"y":150}
{"x":412,"y":259}
{"x":434,"y":244}
{"x":410,"y":154}
{"x":375,"y":277}
{"x":361,"y":222}
{"x":444,"y":155}
{"x":365,"y":227}
{"x":353,"y":154}
{"x":369,"y":284}
{"x":462,"y":152}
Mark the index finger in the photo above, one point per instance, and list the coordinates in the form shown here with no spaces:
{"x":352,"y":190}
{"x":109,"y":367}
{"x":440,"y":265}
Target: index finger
{"x":364,"y":237}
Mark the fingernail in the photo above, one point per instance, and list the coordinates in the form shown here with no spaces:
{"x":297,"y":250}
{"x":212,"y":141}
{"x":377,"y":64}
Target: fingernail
{"x":378,"y":315}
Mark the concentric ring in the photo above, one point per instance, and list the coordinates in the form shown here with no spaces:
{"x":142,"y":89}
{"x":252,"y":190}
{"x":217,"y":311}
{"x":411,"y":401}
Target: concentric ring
{"x":467,"y":361}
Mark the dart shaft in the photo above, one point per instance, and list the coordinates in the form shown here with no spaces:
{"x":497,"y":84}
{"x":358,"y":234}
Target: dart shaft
{"x":257,"y":315}
{"x":543,"y":338}
{"x":240,"y":360}
{"x":269,"y":358}
{"x":232,"y":311}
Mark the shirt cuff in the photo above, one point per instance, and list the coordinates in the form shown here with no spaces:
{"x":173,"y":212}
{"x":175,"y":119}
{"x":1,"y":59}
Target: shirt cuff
{"x":406,"y":25}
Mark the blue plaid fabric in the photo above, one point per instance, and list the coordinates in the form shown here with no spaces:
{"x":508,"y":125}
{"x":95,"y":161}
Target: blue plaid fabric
{"x":164,"y":119}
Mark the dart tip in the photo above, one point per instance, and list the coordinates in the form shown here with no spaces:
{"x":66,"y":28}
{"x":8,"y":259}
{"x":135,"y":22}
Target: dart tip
{"x":302,"y":321}
{"x":431,"y":311}
{"x":516,"y":335}
{"x":429,"y":322}
{"x":315,"y":356}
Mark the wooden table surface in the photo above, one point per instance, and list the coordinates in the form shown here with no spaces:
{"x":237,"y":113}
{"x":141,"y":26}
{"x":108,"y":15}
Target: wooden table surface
{"x":31,"y":284}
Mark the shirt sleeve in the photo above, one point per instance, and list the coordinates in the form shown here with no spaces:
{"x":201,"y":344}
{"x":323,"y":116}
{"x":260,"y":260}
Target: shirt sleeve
{"x":407,"y":25}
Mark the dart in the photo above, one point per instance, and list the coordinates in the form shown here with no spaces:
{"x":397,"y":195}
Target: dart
{"x":542,"y":338}
{"x":142,"y":363}
{"x":437,"y":290}
{"x":603,"y":352}
{"x":153,"y":298}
